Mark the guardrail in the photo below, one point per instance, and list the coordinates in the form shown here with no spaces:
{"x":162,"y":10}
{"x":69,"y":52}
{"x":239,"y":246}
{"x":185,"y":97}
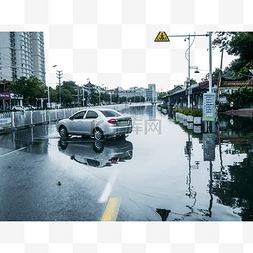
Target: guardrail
{"x":16,"y":120}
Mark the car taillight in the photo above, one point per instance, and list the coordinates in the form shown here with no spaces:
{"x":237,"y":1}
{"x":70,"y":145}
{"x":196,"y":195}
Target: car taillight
{"x":112,"y":121}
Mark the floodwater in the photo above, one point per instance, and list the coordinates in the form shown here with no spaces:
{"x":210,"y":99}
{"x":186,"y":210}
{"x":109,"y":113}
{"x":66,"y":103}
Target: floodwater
{"x":163,"y":171}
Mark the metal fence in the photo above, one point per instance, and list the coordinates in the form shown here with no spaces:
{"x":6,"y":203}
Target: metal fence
{"x":14,"y":120}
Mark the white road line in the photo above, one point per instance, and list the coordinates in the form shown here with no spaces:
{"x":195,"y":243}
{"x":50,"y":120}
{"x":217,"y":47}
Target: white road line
{"x":107,"y":191}
{"x":14,"y":151}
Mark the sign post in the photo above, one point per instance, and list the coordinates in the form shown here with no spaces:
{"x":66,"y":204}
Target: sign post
{"x":209,"y":107}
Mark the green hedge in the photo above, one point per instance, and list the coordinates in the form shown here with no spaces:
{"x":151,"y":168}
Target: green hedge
{"x":188,"y":111}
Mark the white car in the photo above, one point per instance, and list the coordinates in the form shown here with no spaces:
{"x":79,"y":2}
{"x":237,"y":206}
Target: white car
{"x":97,"y":123}
{"x":18,"y":108}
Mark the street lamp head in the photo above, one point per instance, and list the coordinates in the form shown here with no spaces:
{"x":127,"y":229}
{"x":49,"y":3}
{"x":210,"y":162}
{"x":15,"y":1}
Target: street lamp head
{"x":196,"y":71}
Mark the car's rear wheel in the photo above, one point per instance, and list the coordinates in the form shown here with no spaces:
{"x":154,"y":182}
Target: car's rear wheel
{"x":63,"y":131}
{"x":98,"y":134}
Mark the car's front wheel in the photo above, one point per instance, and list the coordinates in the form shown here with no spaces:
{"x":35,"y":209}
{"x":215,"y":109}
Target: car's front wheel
{"x":63,"y":131}
{"x":98,"y":134}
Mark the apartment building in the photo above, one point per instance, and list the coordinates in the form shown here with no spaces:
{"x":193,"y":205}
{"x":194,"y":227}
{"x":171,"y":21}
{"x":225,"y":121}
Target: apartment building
{"x":154,"y":94}
{"x":22,"y":54}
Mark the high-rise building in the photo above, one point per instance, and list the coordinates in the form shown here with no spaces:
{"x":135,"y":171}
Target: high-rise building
{"x":22,"y":54}
{"x":154,"y":95}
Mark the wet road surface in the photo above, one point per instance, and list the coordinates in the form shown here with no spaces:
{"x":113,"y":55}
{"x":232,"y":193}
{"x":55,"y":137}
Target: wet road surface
{"x":160,"y":172}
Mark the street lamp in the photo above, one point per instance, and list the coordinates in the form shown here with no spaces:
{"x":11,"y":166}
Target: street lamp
{"x":195,"y":67}
{"x":209,"y":34}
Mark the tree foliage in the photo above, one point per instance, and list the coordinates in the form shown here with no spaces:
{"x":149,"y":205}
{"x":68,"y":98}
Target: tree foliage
{"x":162,"y":94}
{"x":239,"y":44}
{"x":242,"y":98}
{"x":30,"y":88}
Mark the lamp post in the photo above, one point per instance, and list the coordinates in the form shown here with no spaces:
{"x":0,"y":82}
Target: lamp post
{"x":209,"y":34}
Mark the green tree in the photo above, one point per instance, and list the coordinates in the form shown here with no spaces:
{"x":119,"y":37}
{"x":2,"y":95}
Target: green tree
{"x":105,"y":97}
{"x":66,"y":97}
{"x":115,"y":98}
{"x":30,"y":88}
{"x":162,"y":94}
{"x":239,"y":44}
{"x":123,"y":99}
{"x":54,"y":95}
{"x":94,"y":97}
{"x":71,"y":86}
{"x":242,"y":98}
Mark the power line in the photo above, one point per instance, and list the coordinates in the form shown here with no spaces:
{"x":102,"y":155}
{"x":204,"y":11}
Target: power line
{"x":59,"y":76}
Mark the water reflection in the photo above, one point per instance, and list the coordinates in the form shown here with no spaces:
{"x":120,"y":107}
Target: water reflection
{"x":97,"y":154}
{"x":141,"y":111}
{"x":33,"y":138}
{"x":228,"y":149}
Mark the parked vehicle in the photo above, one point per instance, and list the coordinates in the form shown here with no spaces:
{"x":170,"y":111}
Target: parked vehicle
{"x":18,"y":108}
{"x":97,"y":123}
{"x":30,"y":107}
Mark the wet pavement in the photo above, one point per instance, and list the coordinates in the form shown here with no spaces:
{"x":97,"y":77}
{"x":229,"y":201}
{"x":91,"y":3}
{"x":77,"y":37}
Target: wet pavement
{"x":162,"y":171}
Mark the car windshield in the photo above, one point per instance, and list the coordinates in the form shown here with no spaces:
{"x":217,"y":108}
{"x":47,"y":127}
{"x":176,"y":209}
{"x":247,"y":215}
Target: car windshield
{"x":109,"y":113}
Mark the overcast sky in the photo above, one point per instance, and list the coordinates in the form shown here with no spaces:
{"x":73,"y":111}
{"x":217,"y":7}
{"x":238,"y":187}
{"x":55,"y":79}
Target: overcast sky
{"x":133,"y":63}
{"x":111,"y":47}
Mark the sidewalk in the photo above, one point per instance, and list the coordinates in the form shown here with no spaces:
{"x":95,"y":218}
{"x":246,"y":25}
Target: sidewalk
{"x":245,"y":112}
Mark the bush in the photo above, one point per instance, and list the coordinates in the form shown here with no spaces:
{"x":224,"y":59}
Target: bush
{"x":197,"y":113}
{"x":164,"y":107}
{"x":224,"y":107}
{"x":188,"y":111}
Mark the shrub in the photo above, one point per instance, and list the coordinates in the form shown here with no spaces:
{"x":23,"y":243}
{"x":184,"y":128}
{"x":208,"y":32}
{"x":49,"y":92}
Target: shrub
{"x":188,"y":111}
{"x":197,"y":113}
{"x":224,"y":107}
{"x":164,"y":107}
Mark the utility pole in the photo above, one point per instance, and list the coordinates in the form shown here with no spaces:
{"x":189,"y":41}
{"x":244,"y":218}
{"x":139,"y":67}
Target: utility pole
{"x":59,"y":76}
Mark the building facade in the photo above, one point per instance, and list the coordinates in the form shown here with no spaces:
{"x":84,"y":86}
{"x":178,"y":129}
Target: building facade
{"x":154,"y":94}
{"x":22,"y":54}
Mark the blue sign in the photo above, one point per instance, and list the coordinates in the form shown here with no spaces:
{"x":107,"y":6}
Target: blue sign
{"x":209,"y":107}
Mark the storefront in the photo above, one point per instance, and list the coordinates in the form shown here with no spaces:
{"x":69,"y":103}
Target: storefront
{"x":5,"y":97}
{"x":8,"y":100}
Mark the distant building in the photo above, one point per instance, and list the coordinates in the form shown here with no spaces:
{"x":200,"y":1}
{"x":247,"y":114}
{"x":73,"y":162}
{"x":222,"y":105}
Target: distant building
{"x":148,"y":95}
{"x":22,"y":54}
{"x":182,"y":86}
{"x":154,"y":94}
{"x":89,"y":87}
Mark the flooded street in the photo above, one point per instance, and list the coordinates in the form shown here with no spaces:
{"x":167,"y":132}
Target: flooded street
{"x":161,"y":172}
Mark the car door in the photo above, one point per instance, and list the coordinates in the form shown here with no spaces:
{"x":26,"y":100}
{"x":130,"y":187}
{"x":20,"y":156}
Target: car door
{"x":89,"y":122}
{"x":76,"y":123}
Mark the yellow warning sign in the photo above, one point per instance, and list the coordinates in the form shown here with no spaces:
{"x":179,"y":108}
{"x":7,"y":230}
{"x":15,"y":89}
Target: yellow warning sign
{"x":162,"y":36}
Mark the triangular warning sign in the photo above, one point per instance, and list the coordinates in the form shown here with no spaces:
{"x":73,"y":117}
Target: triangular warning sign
{"x":162,"y":36}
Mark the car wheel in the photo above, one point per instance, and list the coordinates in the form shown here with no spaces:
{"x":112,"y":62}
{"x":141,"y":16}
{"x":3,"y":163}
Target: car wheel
{"x":98,"y":134}
{"x":98,"y":146}
{"x":63,"y":131}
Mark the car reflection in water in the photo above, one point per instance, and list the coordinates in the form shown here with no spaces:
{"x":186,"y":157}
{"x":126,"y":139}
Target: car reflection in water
{"x":96,"y":153}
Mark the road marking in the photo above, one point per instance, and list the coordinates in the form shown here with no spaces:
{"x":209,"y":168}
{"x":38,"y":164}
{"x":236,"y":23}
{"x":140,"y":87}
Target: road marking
{"x":112,"y":209}
{"x":12,"y":152}
{"x":107,"y":191}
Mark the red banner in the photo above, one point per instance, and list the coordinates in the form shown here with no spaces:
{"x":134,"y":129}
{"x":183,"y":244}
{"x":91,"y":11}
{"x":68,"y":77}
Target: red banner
{"x":5,"y":95}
